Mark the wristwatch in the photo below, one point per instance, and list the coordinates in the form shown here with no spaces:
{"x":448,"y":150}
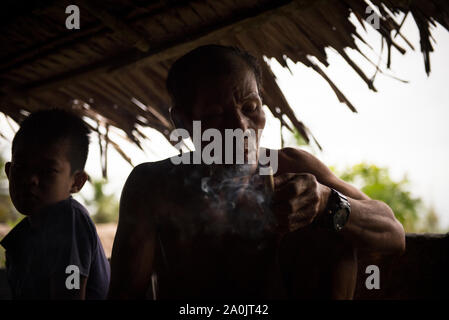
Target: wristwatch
{"x":337,"y":211}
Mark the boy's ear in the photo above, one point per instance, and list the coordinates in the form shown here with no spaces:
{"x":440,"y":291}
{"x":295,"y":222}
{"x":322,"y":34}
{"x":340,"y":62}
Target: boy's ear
{"x":79,"y":181}
{"x":7,"y":168}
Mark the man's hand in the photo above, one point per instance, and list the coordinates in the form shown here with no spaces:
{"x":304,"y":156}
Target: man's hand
{"x":297,"y":200}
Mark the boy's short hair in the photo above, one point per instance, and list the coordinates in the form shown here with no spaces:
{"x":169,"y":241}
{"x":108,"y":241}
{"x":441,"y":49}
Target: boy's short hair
{"x":50,"y":126}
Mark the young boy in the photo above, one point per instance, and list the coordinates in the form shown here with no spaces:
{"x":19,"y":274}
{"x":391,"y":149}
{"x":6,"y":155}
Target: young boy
{"x":54,"y":252}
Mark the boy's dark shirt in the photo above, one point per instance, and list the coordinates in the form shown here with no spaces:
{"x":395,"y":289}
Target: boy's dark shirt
{"x":66,"y":237}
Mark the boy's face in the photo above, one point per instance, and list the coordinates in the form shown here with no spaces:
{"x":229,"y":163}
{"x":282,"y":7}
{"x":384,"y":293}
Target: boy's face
{"x":40,"y":175}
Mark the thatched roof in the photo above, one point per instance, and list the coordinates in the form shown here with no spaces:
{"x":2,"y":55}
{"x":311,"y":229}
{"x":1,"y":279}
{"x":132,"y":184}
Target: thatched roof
{"x":113,"y":68}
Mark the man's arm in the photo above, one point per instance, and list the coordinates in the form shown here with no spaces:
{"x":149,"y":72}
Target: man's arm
{"x":134,"y":244}
{"x":372,"y":225}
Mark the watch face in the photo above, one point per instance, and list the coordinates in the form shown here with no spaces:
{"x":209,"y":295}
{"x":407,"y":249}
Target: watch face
{"x":340,"y":218}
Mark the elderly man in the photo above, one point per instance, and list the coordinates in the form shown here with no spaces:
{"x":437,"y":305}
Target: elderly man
{"x":203,"y":230}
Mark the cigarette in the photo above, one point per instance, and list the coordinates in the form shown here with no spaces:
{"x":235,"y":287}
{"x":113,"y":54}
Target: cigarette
{"x":269,"y":181}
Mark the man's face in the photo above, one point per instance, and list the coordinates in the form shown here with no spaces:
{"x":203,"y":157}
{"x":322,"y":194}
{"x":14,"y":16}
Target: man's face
{"x":229,"y":102}
{"x":39,"y":175}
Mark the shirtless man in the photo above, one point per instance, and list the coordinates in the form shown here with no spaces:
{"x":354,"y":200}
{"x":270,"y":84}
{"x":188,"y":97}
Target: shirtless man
{"x":302,"y":243}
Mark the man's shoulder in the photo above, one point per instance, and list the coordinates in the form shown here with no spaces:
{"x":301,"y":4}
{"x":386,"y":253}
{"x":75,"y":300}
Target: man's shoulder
{"x":152,"y":168}
{"x":152,"y":185}
{"x":148,"y":179}
{"x":158,"y":173}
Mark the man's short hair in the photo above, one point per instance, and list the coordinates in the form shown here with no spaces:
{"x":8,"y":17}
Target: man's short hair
{"x":51,"y":126}
{"x":206,"y":60}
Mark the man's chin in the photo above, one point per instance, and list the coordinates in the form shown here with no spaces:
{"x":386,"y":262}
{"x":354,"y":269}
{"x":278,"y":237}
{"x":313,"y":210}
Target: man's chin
{"x":233,"y":169}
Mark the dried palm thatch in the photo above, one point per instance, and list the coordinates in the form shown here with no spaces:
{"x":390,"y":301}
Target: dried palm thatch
{"x":113,"y":68}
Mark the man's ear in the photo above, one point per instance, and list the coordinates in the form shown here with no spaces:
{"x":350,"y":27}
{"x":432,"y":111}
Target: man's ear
{"x":80,"y":179}
{"x":7,"y":168}
{"x":179,"y":119}
{"x":175,"y":116}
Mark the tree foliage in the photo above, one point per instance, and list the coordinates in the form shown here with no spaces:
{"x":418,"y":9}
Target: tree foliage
{"x":377,"y":183}
{"x":105,"y":206}
{"x":8,"y":214}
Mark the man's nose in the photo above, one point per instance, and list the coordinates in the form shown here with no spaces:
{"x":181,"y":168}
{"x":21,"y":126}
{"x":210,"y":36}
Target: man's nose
{"x":238,"y":120}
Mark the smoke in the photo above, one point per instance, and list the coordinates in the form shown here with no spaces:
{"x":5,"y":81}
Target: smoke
{"x":234,"y":202}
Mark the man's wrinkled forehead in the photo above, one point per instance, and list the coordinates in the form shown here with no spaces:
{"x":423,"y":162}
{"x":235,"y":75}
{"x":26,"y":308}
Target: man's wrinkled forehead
{"x":236,"y":84}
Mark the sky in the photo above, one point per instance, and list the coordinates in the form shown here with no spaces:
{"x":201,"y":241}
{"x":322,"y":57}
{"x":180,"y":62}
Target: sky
{"x":403,"y":127}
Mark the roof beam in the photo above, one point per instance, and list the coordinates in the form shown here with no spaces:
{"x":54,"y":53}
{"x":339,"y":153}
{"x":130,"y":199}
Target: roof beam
{"x":61,"y":42}
{"x":123,"y":32}
{"x":131,"y":58}
{"x":42,"y":49}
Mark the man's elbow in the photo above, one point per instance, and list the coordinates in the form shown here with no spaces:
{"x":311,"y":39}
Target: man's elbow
{"x":399,"y":247}
{"x":395,"y":235}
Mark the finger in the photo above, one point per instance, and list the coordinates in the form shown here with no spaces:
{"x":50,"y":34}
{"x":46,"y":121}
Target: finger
{"x":297,"y":217}
{"x":306,"y":209}
{"x":304,"y":201}
{"x":293,"y":189}
{"x":306,"y":214}
{"x":307,"y":201}
{"x":282,"y":179}
{"x":298,"y":225}
{"x":292,"y":223}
